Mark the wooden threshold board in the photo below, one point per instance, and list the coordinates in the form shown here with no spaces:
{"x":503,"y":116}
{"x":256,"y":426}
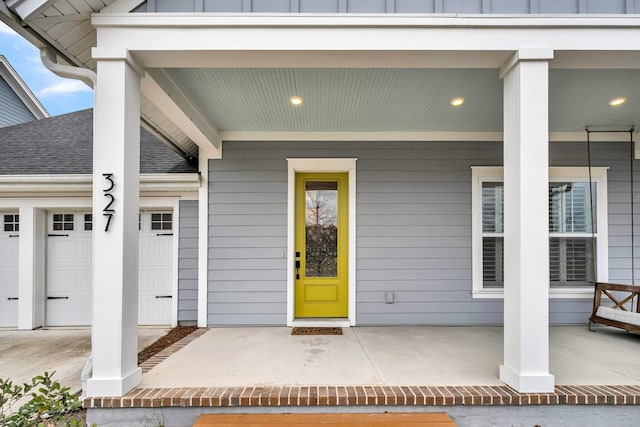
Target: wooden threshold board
{"x":433,"y":419}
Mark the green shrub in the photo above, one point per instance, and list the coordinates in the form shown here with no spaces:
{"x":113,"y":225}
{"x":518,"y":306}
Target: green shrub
{"x":48,"y":404}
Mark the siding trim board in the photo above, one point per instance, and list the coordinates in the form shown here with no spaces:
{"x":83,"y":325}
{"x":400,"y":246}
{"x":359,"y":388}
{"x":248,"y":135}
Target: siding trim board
{"x":306,"y":165}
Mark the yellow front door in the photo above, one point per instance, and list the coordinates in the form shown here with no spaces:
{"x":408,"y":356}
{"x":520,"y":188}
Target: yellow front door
{"x":321,"y":254}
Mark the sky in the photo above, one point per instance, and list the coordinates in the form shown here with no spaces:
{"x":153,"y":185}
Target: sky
{"x":58,"y":95}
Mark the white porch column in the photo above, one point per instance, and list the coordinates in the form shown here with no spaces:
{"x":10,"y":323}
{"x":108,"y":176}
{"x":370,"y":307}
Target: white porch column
{"x":204,"y":156}
{"x":31,"y":265}
{"x":526,"y":223}
{"x":116,"y":151}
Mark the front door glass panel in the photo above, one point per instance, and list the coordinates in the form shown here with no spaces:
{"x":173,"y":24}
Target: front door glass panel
{"x":321,"y":229}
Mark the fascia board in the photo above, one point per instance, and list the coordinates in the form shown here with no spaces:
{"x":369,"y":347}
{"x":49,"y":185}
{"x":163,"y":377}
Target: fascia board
{"x":172,"y":19}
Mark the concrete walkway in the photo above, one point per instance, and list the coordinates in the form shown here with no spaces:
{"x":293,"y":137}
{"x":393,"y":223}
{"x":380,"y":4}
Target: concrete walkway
{"x":25,"y":354}
{"x":449,"y":356}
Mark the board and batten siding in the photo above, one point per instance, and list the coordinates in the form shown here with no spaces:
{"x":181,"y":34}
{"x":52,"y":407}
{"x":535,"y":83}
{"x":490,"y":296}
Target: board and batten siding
{"x":12,"y":109}
{"x":188,"y":263}
{"x":413,"y":230}
{"x":395,"y":6}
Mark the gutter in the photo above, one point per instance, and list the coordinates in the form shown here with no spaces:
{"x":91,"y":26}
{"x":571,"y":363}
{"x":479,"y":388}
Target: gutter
{"x":50,"y":60}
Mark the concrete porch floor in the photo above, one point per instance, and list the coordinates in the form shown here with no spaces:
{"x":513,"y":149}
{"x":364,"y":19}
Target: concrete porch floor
{"x":25,"y":354}
{"x":437,"y":356}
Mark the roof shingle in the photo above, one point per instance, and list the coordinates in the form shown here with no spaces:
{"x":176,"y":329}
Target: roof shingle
{"x":64,"y":145}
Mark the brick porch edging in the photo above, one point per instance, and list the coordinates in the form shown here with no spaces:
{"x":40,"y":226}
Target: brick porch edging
{"x":157,"y":358}
{"x":365,"y":396}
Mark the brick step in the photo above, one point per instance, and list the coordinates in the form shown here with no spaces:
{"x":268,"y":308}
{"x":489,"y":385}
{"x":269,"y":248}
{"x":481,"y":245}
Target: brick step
{"x":433,"y":419}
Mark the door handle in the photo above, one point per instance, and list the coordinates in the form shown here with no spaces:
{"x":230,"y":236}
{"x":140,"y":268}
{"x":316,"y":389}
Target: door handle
{"x":57,"y":297}
{"x":57,"y":235}
{"x":297,"y":264}
{"x":14,"y":235}
{"x":12,"y":298}
{"x":164,"y":234}
{"x":163,"y":296}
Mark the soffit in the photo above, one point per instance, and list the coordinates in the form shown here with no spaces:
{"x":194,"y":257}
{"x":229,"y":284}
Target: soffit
{"x":67,"y":23}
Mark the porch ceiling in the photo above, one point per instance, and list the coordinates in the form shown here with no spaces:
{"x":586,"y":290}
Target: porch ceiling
{"x":397,"y":100}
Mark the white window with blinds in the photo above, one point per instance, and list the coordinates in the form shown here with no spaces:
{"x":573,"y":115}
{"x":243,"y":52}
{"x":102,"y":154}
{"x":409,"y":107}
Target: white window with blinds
{"x":572,"y":248}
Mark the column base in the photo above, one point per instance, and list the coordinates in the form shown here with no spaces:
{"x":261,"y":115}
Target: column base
{"x":105,"y":387}
{"x":541,"y":383}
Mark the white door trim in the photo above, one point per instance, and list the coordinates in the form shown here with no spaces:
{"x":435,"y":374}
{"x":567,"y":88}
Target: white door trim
{"x":329,"y":166}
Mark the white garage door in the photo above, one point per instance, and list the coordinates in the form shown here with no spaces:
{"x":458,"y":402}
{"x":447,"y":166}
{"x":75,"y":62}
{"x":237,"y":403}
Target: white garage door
{"x":156,"y":268}
{"x":69,"y":269}
{"x":9,"y":269}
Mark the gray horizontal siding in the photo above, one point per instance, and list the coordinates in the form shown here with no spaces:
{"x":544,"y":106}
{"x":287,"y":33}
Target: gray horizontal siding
{"x":395,"y":6}
{"x":247,"y":241}
{"x":414,"y":236}
{"x":12,"y":109}
{"x":413,"y":230}
{"x":188,"y":263}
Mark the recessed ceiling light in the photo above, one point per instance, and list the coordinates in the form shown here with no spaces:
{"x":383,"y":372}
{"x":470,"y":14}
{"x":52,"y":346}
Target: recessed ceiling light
{"x":296,"y":100}
{"x":617,"y":101}
{"x":456,"y":102}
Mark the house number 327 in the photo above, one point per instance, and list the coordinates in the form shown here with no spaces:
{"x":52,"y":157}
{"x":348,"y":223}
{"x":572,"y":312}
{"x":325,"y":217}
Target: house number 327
{"x":108,"y":211}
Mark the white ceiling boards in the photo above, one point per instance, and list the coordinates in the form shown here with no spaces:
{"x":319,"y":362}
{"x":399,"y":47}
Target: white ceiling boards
{"x":350,"y":100}
{"x":396,"y":100}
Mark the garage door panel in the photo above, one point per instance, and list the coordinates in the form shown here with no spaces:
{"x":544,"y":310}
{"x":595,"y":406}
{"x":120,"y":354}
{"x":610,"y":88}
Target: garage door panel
{"x":69,"y":258}
{"x":74,"y":311}
{"x":8,"y":271}
{"x":156,"y":250}
{"x":72,"y":250}
{"x":156,"y":269}
{"x":8,"y":253}
{"x":8,"y":311}
{"x":70,"y":280}
{"x":8,"y":296}
{"x":156,"y":281}
{"x":153,"y":309}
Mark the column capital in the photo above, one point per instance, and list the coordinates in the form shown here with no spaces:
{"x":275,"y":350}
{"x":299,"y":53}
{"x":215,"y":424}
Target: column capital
{"x":525,"y":54}
{"x":118,"y":54}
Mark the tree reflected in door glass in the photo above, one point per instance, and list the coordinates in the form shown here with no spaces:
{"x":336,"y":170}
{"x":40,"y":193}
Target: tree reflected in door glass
{"x":321,"y":229}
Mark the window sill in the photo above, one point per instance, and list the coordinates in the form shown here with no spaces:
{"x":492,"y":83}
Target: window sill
{"x":554,"y":293}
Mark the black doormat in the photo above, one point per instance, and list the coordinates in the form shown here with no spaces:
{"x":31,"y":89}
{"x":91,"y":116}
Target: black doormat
{"x":315,"y":331}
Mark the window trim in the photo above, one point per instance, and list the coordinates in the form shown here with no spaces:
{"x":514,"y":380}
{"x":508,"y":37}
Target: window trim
{"x":482,"y":174}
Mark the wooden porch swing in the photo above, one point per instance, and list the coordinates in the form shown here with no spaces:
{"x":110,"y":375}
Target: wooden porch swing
{"x":615,"y":304}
